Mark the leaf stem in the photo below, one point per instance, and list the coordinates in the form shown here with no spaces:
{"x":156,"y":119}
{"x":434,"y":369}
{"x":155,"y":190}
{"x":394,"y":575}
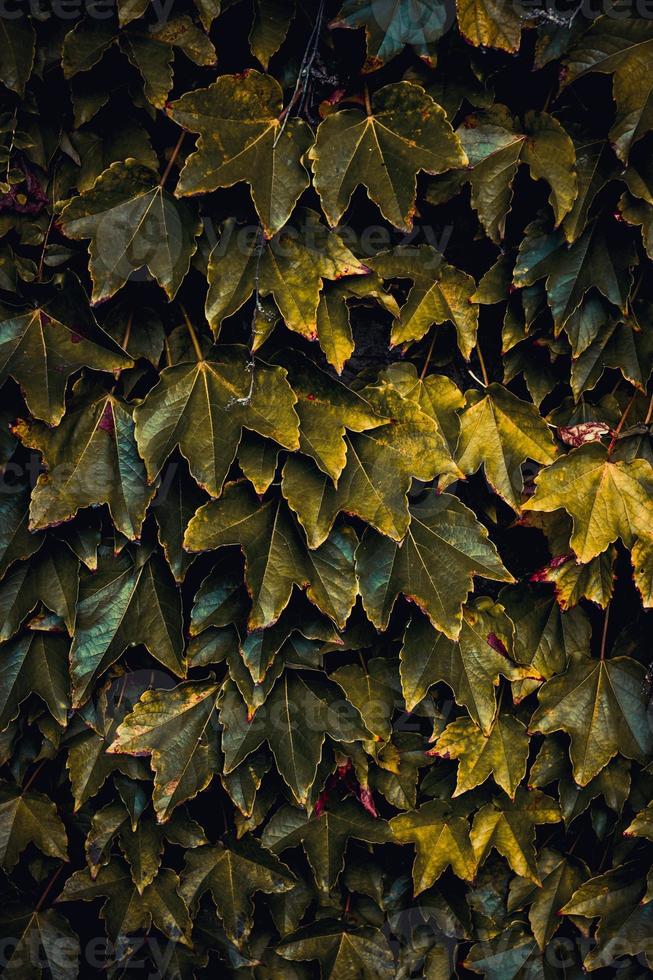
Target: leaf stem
{"x":33,"y":776}
{"x":649,"y":414}
{"x":604,"y":636}
{"x":620,"y":423}
{"x":48,"y":888}
{"x":173,"y":157}
{"x":428,"y":358}
{"x":368,"y":103}
{"x":481,"y":361}
{"x":193,"y":336}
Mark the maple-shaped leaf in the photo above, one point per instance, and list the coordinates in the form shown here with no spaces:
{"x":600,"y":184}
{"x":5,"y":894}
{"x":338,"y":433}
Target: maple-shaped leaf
{"x":380,"y":465}
{"x":202,"y":407}
{"x":324,"y":836}
{"x":602,"y":705}
{"x":16,"y":540}
{"x":546,"y":637}
{"x":510,"y":954}
{"x":441,"y":839}
{"x":404,"y":132}
{"x":509,"y":827}
{"x":43,"y":933}
{"x":373,"y":690}
{"x":243,"y":138}
{"x":434,"y":566}
{"x":642,"y":559}
{"x":487,"y":23}
{"x":90,"y":458}
{"x":233,"y":872}
{"x":605,"y":500}
{"x":291,"y":268}
{"x":440,"y":293}
{"x":560,"y":877}
{"x":574,"y":581}
{"x":625,"y":51}
{"x":29,"y":818}
{"x":177,"y":499}
{"x":35,"y":662}
{"x":599,"y":259}
{"x":294,"y":720}
{"x":131,"y":598}
{"x":125,"y":911}
{"x":175,"y":729}
{"x":501,"y":753}
{"x":326,"y":409}
{"x":495,"y":148}
{"x":359,"y":954}
{"x":51,"y":578}
{"x":270,"y":25}
{"x":595,"y":165}
{"x":390,"y":25}
{"x":500,"y":432}
{"x":276,"y":557}
{"x":133,"y":223}
{"x":41,"y":347}
{"x":334,"y":315}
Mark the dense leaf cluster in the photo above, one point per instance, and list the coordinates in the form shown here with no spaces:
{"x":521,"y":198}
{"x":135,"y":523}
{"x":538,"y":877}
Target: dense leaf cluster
{"x":326,"y":523}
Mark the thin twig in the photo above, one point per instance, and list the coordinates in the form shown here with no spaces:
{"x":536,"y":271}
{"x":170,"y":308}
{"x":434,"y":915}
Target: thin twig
{"x":302,"y":76}
{"x":649,"y":414}
{"x":48,"y":888}
{"x":428,"y":358}
{"x":33,"y":776}
{"x":482,"y":363}
{"x":368,"y":104}
{"x":620,"y":424}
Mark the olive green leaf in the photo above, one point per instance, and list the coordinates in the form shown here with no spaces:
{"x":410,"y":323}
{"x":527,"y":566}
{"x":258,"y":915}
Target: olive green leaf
{"x":326,"y":408}
{"x":125,"y":911}
{"x":91,"y":458}
{"x":573,"y":581}
{"x":360,"y":954}
{"x":133,"y":223}
{"x":441,"y":839}
{"x":324,"y":836}
{"x":434,"y":566}
{"x":16,"y":540}
{"x":642,"y":558}
{"x":40,"y":348}
{"x":439,"y":294}
{"x":46,"y":931}
{"x":151,"y":51}
{"x":51,"y":578}
{"x":405,"y":132}
{"x":373,"y":691}
{"x":625,"y":51}
{"x":502,"y":753}
{"x":233,"y":873}
{"x":130,"y":599}
{"x":560,"y":878}
{"x":500,"y":432}
{"x":291,"y":268}
{"x":177,"y":499}
{"x":509,"y":827}
{"x":389,"y":27}
{"x":294,"y":720}
{"x":17,"y":49}
{"x":175,"y":729}
{"x":602,"y":705}
{"x":487,"y":23}
{"x":243,"y":138}
{"x":470,"y":665}
{"x":545,"y":636}
{"x":276,"y":556}
{"x":380,"y":465}
{"x":605,"y":500}
{"x":270,"y":25}
{"x":334,"y":327}
{"x":34,"y":662}
{"x":597,"y":259}
{"x":495,"y":147}
{"x":595,"y":165}
{"x":29,"y":818}
{"x":203,"y":406}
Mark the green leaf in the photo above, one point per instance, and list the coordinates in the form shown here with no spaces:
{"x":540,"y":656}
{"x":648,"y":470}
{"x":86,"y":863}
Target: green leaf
{"x":444,"y":548}
{"x":90,"y":458}
{"x":34,"y":662}
{"x":291,"y":267}
{"x":362,"y":954}
{"x":502,"y":753}
{"x":441,"y":839}
{"x":389,"y":28}
{"x":29,"y":818}
{"x":509,"y":827}
{"x":203,"y":406}
{"x":487,"y":23}
{"x":243,"y":138}
{"x":233,"y":874}
{"x":602,"y":706}
{"x":405,"y":132}
{"x":276,"y":556}
{"x":500,"y":432}
{"x":560,"y":878}
{"x":605,"y":500}
{"x":44,"y":933}
{"x":133,"y":223}
{"x":175,"y":729}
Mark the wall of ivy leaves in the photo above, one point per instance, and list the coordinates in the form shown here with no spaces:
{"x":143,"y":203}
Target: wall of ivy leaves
{"x":326,"y":489}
